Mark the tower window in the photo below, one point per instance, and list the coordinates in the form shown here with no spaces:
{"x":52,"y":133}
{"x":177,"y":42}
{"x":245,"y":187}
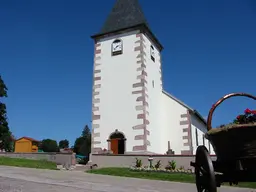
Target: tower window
{"x":152,"y":53}
{"x":153,"y":83}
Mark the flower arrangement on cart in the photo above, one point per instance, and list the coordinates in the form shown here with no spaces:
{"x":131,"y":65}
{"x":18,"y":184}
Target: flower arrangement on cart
{"x":248,"y":117}
{"x":235,"y":147}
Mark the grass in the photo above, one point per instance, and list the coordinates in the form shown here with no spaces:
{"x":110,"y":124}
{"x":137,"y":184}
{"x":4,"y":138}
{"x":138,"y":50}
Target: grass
{"x":176,"y":177}
{"x":125,"y":172}
{"x":29,"y":163}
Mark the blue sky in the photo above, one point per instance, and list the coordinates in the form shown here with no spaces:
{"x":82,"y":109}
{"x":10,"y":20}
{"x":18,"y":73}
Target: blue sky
{"x":46,"y":58}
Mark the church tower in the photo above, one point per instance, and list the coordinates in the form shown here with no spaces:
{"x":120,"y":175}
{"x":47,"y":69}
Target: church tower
{"x":127,"y":83}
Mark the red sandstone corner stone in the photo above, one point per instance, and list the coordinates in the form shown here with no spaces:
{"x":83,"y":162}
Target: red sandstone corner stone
{"x":141,"y":116}
{"x":98,"y":51}
{"x":143,"y":66}
{"x":139,"y":137}
{"x":139,"y":127}
{"x":185,"y":137}
{"x":139,"y":148}
{"x":96,"y":117}
{"x":139,"y":48}
{"x":146,"y":122}
{"x":144,"y":81}
{"x":184,"y":115}
{"x":144,"y":73}
{"x":135,"y":85}
{"x":145,"y":103}
{"x":137,"y":92}
{"x":97,"y":78}
{"x":184,"y":122}
{"x":185,"y":130}
{"x":142,"y":98}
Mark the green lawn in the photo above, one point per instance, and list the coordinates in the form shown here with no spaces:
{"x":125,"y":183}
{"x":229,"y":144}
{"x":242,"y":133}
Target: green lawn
{"x":125,"y":172}
{"x":178,"y":177}
{"x":18,"y":162}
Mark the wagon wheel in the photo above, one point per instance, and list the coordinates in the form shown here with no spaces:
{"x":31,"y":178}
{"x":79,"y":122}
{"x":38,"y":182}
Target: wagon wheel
{"x":205,"y":176}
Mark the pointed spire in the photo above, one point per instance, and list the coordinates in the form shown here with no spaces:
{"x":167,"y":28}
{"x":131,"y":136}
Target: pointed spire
{"x":125,"y":14}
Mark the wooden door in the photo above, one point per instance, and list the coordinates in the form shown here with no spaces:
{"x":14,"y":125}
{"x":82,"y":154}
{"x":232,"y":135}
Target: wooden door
{"x":114,"y":146}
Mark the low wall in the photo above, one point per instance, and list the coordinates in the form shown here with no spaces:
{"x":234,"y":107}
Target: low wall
{"x":66,"y":159}
{"x":128,"y":160}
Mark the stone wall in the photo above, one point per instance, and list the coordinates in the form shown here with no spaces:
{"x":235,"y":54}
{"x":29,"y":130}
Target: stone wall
{"x":128,"y":160}
{"x":65,"y":159}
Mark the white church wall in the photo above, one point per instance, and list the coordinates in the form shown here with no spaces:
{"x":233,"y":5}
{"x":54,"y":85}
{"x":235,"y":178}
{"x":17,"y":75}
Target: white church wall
{"x":154,"y":91}
{"x":171,"y":118}
{"x":198,"y":129}
{"x":113,"y":101}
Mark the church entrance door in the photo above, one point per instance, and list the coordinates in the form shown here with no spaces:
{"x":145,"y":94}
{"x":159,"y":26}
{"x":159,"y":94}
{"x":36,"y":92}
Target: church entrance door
{"x":114,"y":145}
{"x":117,"y":143}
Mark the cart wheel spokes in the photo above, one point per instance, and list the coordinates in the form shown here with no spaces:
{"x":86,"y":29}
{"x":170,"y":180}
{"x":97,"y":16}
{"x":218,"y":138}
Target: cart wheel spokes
{"x":205,"y":176}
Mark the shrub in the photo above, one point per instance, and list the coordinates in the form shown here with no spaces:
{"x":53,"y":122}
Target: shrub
{"x":171,"y":165}
{"x":158,"y":164}
{"x":138,"y":163}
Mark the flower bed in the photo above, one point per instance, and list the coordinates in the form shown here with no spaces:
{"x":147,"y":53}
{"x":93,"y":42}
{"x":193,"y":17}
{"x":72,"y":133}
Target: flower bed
{"x":147,"y":169}
{"x":170,"y":168}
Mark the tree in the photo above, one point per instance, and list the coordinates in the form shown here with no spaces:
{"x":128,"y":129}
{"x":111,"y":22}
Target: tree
{"x":49,"y":145}
{"x":5,"y":133}
{"x":64,"y":144}
{"x":86,"y":132}
{"x":82,"y":144}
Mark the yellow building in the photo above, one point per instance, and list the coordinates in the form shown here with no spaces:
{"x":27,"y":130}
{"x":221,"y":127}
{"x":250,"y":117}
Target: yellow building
{"x":26,"y":145}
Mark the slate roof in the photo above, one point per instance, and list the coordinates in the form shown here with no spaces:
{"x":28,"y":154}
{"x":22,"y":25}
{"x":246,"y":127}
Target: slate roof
{"x":125,"y":14}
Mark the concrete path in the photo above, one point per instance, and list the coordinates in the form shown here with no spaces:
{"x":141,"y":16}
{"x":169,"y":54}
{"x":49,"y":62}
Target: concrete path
{"x":14,"y":179}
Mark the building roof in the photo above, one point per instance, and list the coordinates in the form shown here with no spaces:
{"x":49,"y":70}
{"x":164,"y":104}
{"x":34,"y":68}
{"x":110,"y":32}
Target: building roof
{"x":195,"y":112}
{"x":28,"y":138}
{"x":126,"y":14}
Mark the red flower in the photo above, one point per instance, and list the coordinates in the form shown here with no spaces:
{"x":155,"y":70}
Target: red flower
{"x":254,"y":112}
{"x":238,"y":117}
{"x":247,"y":111}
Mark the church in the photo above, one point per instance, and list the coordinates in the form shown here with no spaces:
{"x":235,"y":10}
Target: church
{"x":131,"y":112}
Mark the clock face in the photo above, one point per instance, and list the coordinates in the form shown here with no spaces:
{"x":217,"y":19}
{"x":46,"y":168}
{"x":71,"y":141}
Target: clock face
{"x":117,"y":47}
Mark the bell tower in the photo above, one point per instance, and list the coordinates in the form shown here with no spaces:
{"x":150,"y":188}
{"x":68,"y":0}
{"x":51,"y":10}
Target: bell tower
{"x":127,"y":82}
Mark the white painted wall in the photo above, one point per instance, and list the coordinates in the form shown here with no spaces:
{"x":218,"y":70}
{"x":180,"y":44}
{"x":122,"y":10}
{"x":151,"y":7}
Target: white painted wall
{"x":154,"y":92}
{"x":117,"y":104}
{"x":196,"y":124}
{"x":170,"y":123}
